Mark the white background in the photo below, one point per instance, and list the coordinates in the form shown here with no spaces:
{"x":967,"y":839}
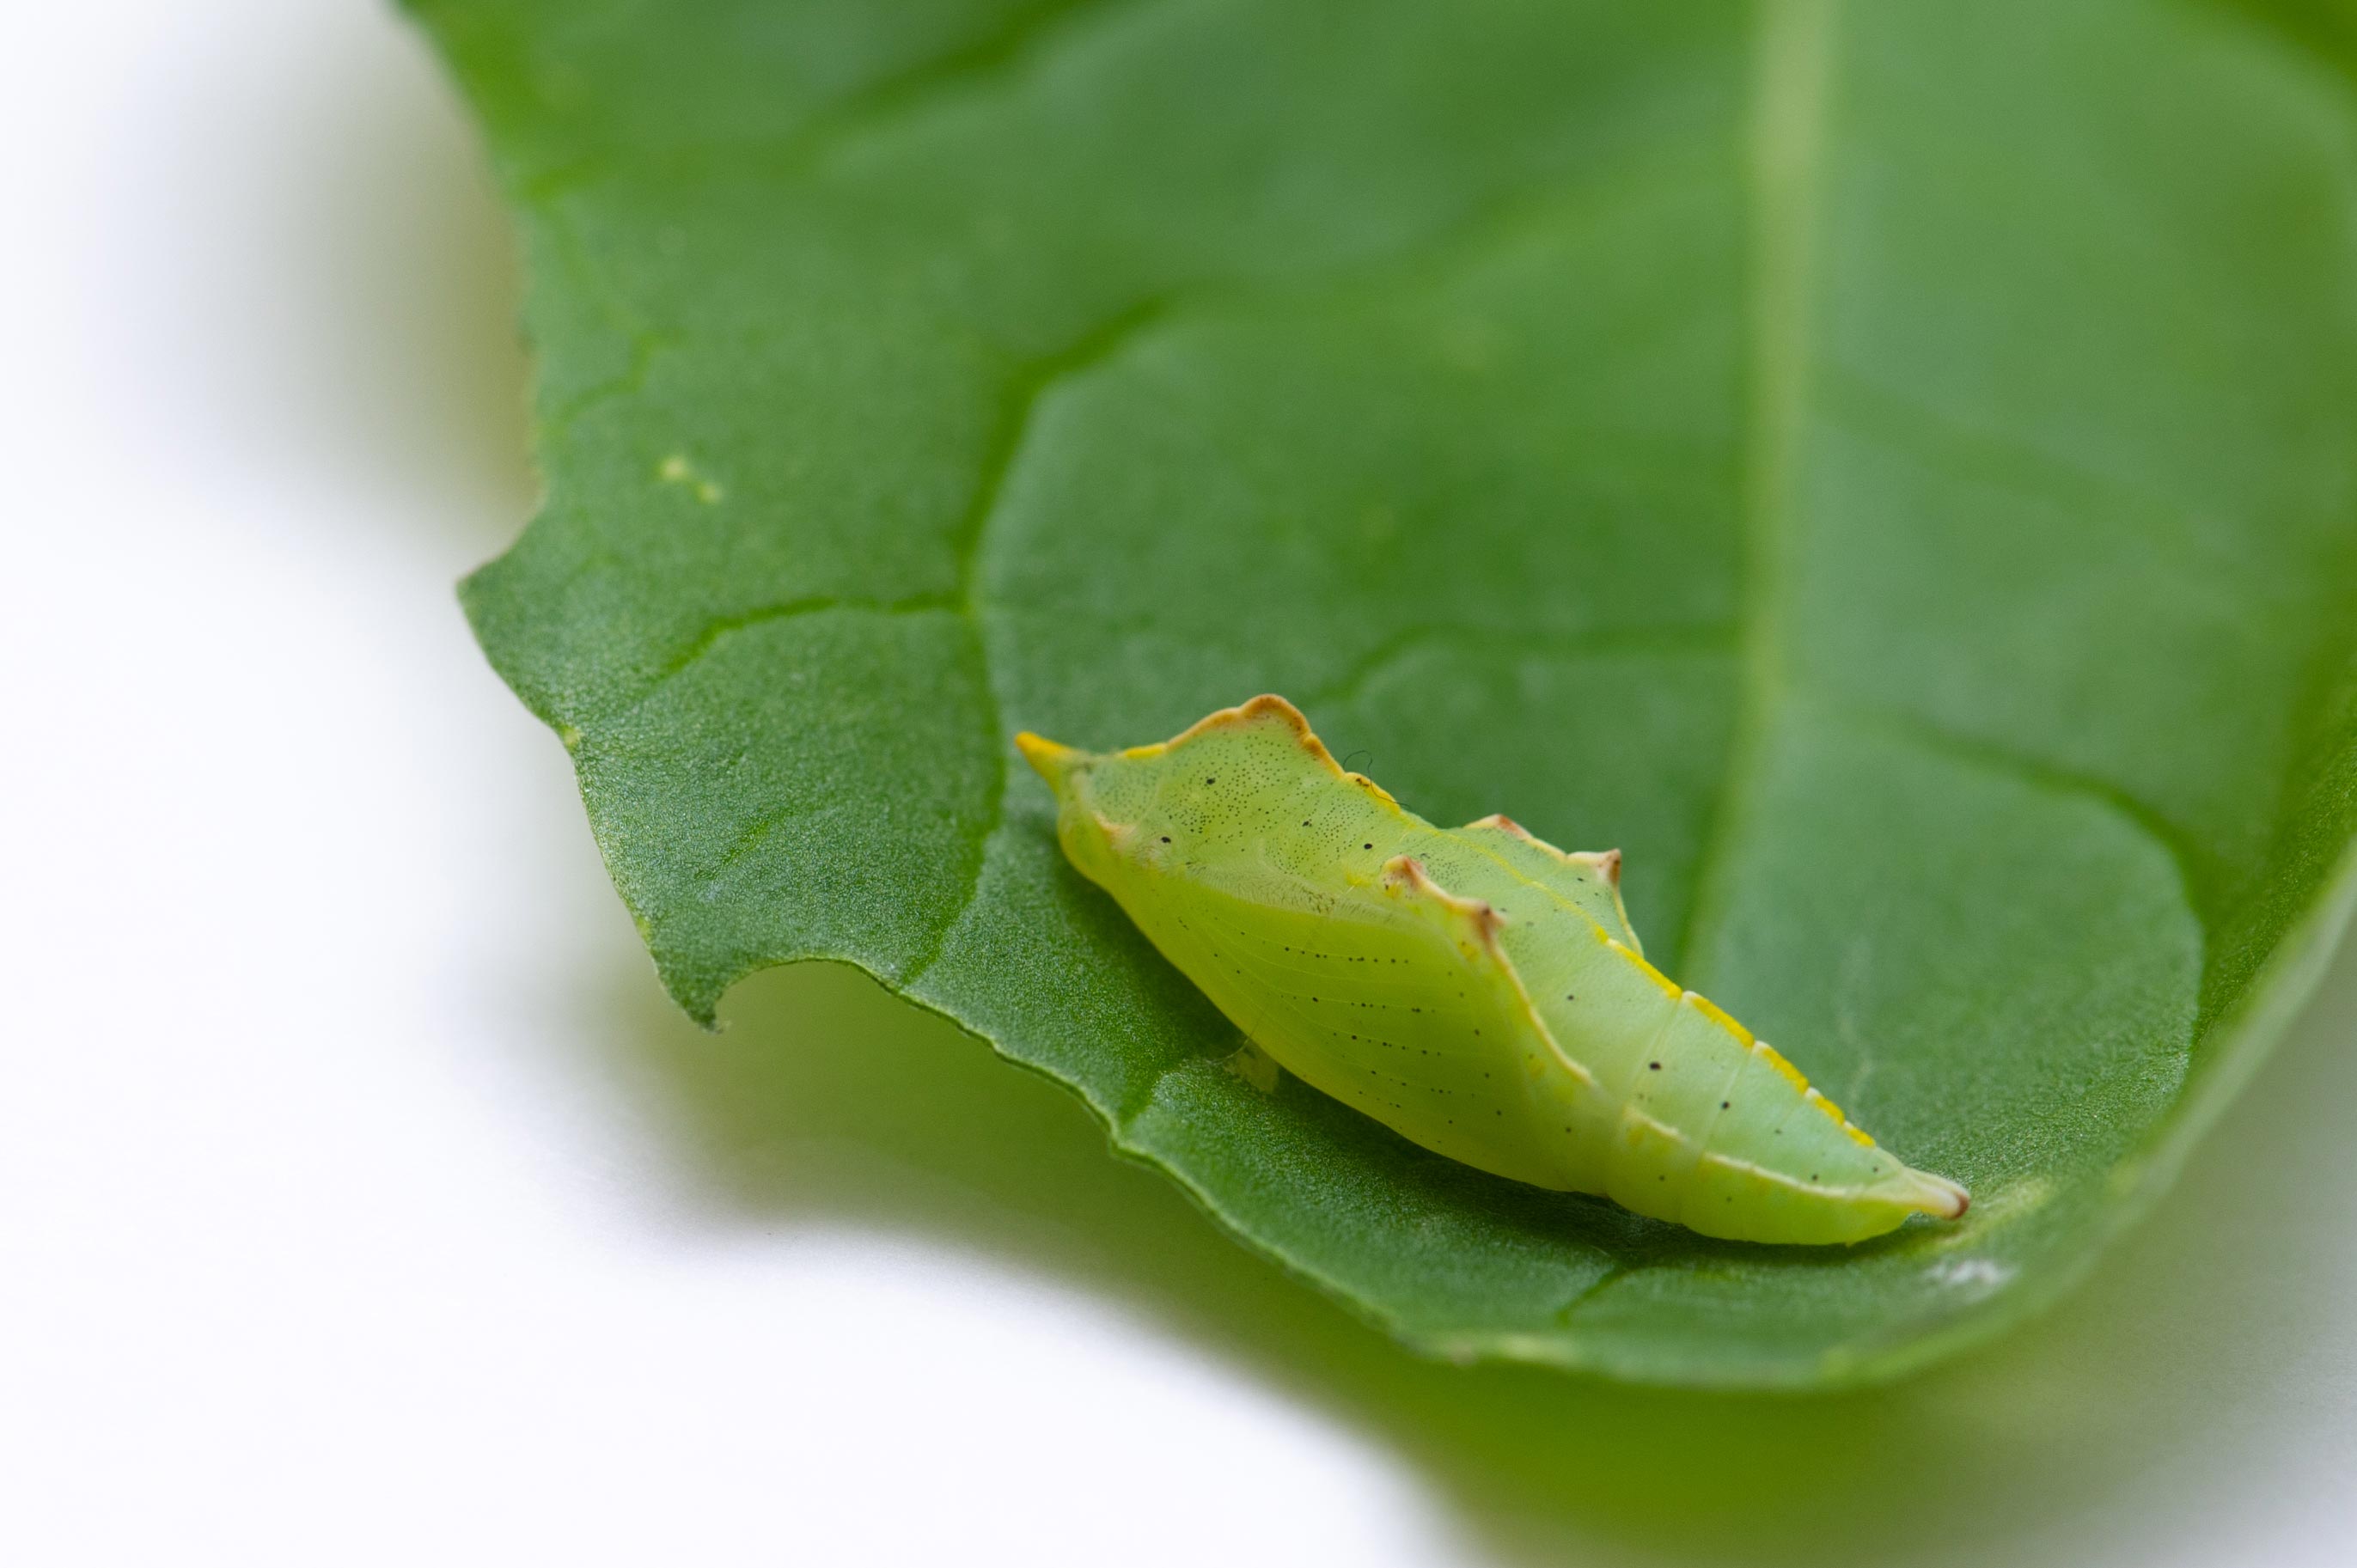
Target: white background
{"x":362,"y":1201}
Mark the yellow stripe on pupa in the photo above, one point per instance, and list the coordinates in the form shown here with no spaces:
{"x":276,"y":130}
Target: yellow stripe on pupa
{"x":1790,"y":1073}
{"x":1710,"y":1010}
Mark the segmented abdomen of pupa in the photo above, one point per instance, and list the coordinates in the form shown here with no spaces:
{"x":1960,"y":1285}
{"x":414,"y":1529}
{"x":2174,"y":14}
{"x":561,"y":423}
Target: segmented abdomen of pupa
{"x":1474,"y":989}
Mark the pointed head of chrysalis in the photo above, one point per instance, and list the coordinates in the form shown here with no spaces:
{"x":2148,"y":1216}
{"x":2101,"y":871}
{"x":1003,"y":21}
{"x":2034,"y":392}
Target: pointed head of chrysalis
{"x":1089,"y":837}
{"x":1229,"y":786}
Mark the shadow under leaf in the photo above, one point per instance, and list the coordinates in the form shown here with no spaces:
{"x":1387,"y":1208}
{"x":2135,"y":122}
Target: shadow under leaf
{"x":828,"y":1102}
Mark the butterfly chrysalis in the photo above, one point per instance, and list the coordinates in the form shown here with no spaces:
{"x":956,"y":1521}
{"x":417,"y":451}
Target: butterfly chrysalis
{"x":1476,"y":990}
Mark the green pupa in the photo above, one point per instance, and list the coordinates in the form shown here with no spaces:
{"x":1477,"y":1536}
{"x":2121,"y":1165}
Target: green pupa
{"x":1476,"y":990}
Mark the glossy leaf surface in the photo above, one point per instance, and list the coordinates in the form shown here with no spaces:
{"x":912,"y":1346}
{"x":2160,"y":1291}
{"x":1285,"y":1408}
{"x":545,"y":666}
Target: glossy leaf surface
{"x":1891,"y":470}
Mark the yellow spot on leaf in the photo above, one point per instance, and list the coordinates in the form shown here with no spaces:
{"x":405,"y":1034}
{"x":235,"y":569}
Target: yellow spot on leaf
{"x":676,"y":469}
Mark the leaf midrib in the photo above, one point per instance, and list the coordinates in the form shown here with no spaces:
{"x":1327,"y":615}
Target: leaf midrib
{"x":1792,"y":63}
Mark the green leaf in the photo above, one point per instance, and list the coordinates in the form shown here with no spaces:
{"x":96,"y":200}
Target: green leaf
{"x":1891,"y":469}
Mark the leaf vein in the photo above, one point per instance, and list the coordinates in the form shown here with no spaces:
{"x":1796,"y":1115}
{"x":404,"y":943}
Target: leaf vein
{"x":1792,"y":63}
